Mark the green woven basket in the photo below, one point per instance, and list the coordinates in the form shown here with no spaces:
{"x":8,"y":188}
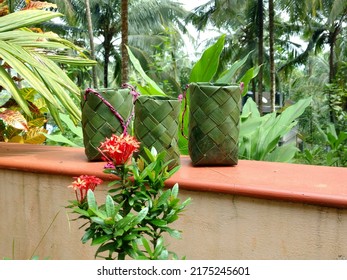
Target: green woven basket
{"x":99,"y":119}
{"x":214,"y":124}
{"x":156,"y":125}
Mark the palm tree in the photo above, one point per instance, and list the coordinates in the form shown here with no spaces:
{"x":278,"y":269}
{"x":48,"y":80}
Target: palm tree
{"x":147,"y":19}
{"x":323,"y":22}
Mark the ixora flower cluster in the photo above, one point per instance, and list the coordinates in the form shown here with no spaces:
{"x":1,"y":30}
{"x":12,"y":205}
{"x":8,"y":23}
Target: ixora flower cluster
{"x":138,"y":209}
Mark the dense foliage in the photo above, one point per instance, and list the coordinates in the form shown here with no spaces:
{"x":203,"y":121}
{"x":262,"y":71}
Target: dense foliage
{"x":303,"y":57}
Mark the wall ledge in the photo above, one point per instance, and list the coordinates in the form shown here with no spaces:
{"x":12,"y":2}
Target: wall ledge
{"x":318,"y":185}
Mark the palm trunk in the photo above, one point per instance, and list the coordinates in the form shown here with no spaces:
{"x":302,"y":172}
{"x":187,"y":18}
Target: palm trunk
{"x":91,"y":39}
{"x":332,"y":40}
{"x":272,"y":57}
{"x":260,"y":23}
{"x":124,"y":43}
{"x":107,"y":44}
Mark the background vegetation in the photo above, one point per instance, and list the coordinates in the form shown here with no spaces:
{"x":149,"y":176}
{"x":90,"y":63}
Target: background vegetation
{"x":300,"y":46}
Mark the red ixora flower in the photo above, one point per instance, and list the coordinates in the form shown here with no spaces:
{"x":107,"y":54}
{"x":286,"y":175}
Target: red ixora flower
{"x":82,"y":184}
{"x":119,"y":148}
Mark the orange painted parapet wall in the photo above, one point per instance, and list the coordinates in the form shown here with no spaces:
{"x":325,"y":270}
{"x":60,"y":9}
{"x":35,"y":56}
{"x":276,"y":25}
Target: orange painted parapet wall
{"x":279,"y":181}
{"x":255,"y":210}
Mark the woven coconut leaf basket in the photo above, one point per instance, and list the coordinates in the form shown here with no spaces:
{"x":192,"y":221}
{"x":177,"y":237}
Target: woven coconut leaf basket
{"x":156,"y":125}
{"x":99,"y":120}
{"x":214,"y":120}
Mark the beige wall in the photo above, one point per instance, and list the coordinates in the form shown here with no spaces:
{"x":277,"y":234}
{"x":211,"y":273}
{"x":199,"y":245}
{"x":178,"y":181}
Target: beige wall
{"x":214,"y":226}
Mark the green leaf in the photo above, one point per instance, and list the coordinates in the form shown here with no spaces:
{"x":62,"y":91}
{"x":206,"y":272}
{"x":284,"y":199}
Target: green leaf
{"x":141,"y":215}
{"x":174,"y":190}
{"x":147,"y":246}
{"x":154,"y":88}
{"x":228,"y":76}
{"x":77,"y":130}
{"x":249,"y":126}
{"x":284,"y":153}
{"x":206,"y":67}
{"x":98,"y":220}
{"x":247,"y":77}
{"x":9,"y":52}
{"x":7,"y":83}
{"x":110,"y":247}
{"x":158,"y":222}
{"x":110,"y":208}
{"x":101,"y":239}
{"x":81,"y":211}
{"x":87,"y":235}
{"x":122,"y":223}
{"x":163,"y":198}
{"x":91,"y":201}
{"x":173,"y":233}
{"x":59,"y":138}
{"x":159,"y":247}
{"x":25,"y":18}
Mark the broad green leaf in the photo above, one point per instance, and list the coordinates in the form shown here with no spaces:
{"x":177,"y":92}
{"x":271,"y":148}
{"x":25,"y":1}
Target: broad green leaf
{"x":155,"y":89}
{"x":250,"y":108}
{"x":228,"y":76}
{"x":206,"y":67}
{"x":249,"y":126}
{"x":247,"y":77}
{"x":59,"y":138}
{"x":77,"y":130}
{"x":293,"y":112}
{"x":284,"y":153}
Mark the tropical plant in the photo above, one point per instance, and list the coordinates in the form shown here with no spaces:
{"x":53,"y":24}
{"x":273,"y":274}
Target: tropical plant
{"x":147,"y":21}
{"x":204,"y":70}
{"x":260,"y":135}
{"x":333,"y":151}
{"x":35,"y":57}
{"x":138,"y":211}
{"x":16,"y":127}
{"x":70,"y":136}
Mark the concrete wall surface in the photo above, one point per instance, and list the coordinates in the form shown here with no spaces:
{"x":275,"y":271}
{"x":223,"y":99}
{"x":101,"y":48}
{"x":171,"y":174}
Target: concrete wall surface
{"x":214,"y":226}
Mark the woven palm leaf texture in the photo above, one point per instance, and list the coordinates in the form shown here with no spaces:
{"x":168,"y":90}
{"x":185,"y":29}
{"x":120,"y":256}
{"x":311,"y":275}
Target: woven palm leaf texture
{"x":214,"y":119}
{"x":99,"y":117}
{"x":156,"y":125}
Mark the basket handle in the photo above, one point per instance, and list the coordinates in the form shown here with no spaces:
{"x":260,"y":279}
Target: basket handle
{"x":182,"y":97}
{"x":123,"y":123}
